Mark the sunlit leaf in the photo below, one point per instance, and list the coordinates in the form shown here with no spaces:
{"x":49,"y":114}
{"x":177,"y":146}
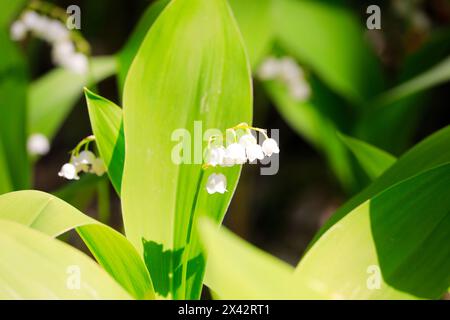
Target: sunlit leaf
{"x":171,"y":84}
{"x":52,"y":216}
{"x":429,"y":153}
{"x":390,"y":247}
{"x":238,"y":270}
{"x":35,"y":266}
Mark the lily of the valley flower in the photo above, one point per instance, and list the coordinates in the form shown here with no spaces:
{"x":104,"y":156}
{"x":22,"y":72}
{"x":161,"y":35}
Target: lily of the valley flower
{"x":244,"y":149}
{"x":270,"y":146}
{"x":235,"y":154}
{"x":216,"y":156}
{"x":38,"y":144}
{"x":252,"y":149}
{"x":69,"y":171}
{"x":290,"y":73}
{"x":98,"y":167}
{"x":217,"y":183}
{"x":84,"y":161}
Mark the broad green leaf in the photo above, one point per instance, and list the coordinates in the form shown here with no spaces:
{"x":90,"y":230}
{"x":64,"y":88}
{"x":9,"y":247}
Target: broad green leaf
{"x":52,"y":216}
{"x":429,"y":153}
{"x":238,"y":270}
{"x":255,"y":20}
{"x":52,"y":97}
{"x":373,"y":160}
{"x":106,"y":122}
{"x":397,"y":239}
{"x":430,"y":78}
{"x":171,"y":84}
{"x":315,"y":120}
{"x":35,"y":266}
{"x":13,"y":81}
{"x":330,"y":40}
{"x":128,"y":52}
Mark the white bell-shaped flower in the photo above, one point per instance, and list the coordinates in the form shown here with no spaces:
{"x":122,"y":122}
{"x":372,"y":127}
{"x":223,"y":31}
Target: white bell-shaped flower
{"x":38,"y":144}
{"x":247,"y":139}
{"x":300,"y":90}
{"x":254,"y":151}
{"x":234,"y":154}
{"x":83,"y":161}
{"x":215,"y":156}
{"x":270,"y":146}
{"x":98,"y":167}
{"x":57,"y":32}
{"x":41,"y":27}
{"x":217,"y":183}
{"x":69,"y":171}
{"x":290,"y":70}
{"x":62,"y":51}
{"x":18,"y":31}
{"x":77,"y":63}
{"x":31,"y":19}
{"x":269,"y":69}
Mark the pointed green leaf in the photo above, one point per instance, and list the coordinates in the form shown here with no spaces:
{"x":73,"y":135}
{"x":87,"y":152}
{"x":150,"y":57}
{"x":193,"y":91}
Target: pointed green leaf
{"x":52,"y":216}
{"x":52,"y":97}
{"x":35,"y":266}
{"x":392,"y":246}
{"x":171,"y":84}
{"x":373,"y":160}
{"x":106,"y":122}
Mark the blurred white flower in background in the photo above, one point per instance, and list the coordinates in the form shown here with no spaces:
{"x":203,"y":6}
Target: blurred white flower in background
{"x":18,"y":31}
{"x":217,"y":183}
{"x":55,"y":33}
{"x":83,"y":161}
{"x":38,"y":145}
{"x":287,"y":71}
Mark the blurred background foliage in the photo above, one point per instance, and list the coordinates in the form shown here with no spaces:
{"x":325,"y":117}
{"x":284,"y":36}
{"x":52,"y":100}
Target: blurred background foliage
{"x":385,"y":87}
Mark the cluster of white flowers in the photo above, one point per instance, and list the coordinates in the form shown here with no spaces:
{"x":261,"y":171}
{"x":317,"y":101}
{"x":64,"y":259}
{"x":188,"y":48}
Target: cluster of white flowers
{"x":236,"y":153}
{"x":289,"y":72}
{"x":38,"y":144}
{"x":56,"y":34}
{"x":86,"y":162}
